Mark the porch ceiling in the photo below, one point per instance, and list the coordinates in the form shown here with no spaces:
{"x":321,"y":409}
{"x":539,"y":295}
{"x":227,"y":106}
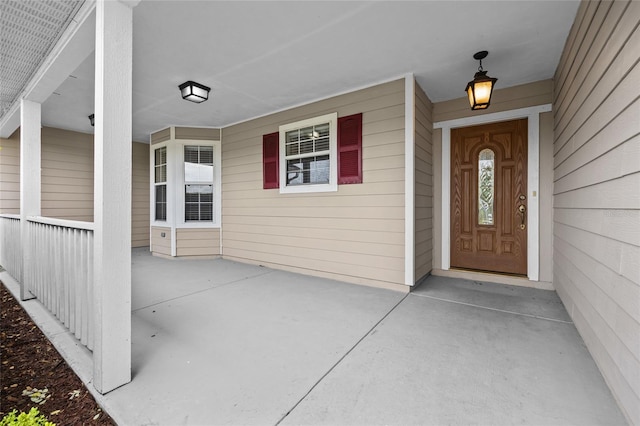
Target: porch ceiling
{"x":260,"y":57}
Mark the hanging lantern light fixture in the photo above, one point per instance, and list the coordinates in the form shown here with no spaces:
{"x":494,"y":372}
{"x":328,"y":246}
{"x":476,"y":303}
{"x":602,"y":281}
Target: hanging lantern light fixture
{"x":480,"y":88}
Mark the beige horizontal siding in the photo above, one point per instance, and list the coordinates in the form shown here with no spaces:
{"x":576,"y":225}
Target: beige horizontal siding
{"x":525,"y":95}
{"x":10,"y":174}
{"x":161,"y":244}
{"x":355,"y":234}
{"x":161,"y":136}
{"x":423,"y":184}
{"x":596,"y":195}
{"x":197,"y":242}
{"x":67,"y":174}
{"x":140,"y":195}
{"x":197,"y":133}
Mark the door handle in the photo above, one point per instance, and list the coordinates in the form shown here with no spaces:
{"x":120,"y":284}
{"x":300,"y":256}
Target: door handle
{"x":523,"y":212}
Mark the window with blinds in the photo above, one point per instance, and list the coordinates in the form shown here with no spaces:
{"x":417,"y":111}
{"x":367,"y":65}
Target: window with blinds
{"x":307,"y":155}
{"x":160,"y":181}
{"x":198,"y":179}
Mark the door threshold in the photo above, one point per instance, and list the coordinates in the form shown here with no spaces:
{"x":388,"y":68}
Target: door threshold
{"x":492,"y":278}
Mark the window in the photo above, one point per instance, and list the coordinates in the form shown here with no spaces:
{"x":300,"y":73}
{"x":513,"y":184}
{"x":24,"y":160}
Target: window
{"x":318,"y":154}
{"x":486,"y":186}
{"x":307,"y":155}
{"x":198,"y":180}
{"x":160,"y":181}
{"x":308,"y":149}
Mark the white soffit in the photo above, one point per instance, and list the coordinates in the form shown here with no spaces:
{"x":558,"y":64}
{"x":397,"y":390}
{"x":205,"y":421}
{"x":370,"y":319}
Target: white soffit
{"x":30,"y":29}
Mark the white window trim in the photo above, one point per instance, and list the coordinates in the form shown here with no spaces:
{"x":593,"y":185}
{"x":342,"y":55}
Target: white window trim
{"x":533,"y":179}
{"x":332,"y":186}
{"x":179,"y":183}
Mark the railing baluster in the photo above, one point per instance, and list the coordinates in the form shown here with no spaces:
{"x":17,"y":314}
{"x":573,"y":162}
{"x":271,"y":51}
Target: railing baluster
{"x":83,"y":291}
{"x":90,"y":316}
{"x":73,"y":255}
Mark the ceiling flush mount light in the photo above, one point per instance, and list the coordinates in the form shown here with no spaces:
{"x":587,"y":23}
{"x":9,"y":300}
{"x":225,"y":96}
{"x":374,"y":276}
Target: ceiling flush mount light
{"x":480,"y":88}
{"x":194,"y":92}
{"x":92,"y":120}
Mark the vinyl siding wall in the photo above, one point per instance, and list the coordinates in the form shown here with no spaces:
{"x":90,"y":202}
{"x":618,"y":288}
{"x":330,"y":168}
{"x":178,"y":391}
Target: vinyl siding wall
{"x":197,"y":242}
{"x":67,"y":174}
{"x":140,"y":196}
{"x":161,"y":240}
{"x":67,"y":179}
{"x":596,"y":190}
{"x":10,"y":174}
{"x":355,"y":234}
{"x":423,"y":184}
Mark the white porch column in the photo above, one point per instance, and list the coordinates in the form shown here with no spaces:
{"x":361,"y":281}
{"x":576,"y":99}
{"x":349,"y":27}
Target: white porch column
{"x":30,"y":135}
{"x":112,"y":195}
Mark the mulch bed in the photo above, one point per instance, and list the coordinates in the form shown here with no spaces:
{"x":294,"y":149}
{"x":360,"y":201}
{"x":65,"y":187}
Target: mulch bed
{"x":30,"y":364}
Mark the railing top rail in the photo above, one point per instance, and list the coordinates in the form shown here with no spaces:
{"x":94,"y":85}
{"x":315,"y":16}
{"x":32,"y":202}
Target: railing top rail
{"x":10,"y":216}
{"x":62,"y":222}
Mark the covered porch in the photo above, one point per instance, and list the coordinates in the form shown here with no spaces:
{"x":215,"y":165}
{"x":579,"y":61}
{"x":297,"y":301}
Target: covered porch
{"x":221,"y":342}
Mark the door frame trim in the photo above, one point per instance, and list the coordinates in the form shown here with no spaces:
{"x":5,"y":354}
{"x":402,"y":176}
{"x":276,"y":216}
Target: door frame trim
{"x":532,"y":114}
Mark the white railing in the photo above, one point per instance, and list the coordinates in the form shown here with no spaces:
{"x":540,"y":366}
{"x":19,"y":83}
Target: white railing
{"x":61,"y":252}
{"x":11,"y":245}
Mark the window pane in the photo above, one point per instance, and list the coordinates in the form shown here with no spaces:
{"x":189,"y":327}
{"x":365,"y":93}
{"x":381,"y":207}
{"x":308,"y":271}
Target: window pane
{"x":322,"y":144}
{"x":292,"y":136}
{"x":206,"y":211}
{"x":198,"y":163}
{"x":161,"y":173}
{"x":311,"y":170}
{"x":322,"y":130}
{"x":291,"y":142}
{"x":306,"y":146}
{"x":206,"y":155}
{"x":161,"y":202}
{"x":198,"y":172}
{"x":198,"y":189}
{"x":191,"y":212}
{"x":486,"y":187}
{"x":198,"y":203}
{"x":161,"y":165}
{"x":161,"y":156}
{"x":307,"y":140}
{"x":191,"y":154}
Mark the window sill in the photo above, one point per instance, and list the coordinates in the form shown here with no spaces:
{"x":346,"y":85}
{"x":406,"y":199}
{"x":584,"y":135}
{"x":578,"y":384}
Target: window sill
{"x":306,"y":189}
{"x":198,"y":225}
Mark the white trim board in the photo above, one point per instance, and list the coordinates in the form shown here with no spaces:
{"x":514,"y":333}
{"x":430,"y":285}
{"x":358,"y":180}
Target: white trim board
{"x":409,"y":179}
{"x":533,"y":179}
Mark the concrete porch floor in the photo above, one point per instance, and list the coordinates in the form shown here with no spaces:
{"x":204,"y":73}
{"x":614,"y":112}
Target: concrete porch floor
{"x":219,"y":342}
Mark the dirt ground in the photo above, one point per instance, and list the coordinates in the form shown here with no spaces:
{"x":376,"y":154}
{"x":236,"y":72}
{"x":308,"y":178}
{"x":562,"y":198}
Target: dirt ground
{"x":32,"y":369}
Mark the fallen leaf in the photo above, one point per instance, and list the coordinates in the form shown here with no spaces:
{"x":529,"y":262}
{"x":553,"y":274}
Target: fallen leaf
{"x":55,"y":412}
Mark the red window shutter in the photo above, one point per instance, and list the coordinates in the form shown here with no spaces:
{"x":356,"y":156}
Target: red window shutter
{"x":270,"y":163}
{"x":350,"y":149}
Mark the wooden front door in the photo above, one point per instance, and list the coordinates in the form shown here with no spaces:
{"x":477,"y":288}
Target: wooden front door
{"x":489,"y":197}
